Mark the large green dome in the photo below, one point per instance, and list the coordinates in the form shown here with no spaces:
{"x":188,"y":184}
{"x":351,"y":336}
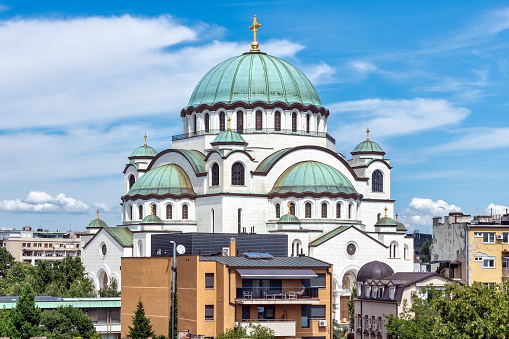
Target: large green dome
{"x":368,"y":146}
{"x":144,"y":151}
{"x":163,"y":180}
{"x":254,"y":77}
{"x":313,"y":178}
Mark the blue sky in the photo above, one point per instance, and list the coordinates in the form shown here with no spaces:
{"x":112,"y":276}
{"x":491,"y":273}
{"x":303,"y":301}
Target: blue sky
{"x":81,"y":82}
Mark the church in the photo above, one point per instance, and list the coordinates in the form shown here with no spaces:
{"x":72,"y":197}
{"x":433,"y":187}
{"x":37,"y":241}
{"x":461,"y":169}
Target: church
{"x":255,"y":157}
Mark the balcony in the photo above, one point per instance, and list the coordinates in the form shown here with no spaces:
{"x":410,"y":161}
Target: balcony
{"x":282,"y":328}
{"x":286,"y":295}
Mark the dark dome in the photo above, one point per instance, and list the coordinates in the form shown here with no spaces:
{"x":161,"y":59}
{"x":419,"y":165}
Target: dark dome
{"x":374,"y":270}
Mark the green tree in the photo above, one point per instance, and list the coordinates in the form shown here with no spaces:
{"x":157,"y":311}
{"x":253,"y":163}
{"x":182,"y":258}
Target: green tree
{"x":141,"y":324}
{"x":351,"y":307}
{"x":66,"y":323}
{"x":4,"y":317}
{"x":24,"y":320}
{"x":6,"y":260}
{"x":16,"y":277}
{"x":110,"y":290}
{"x":426,"y":251}
{"x":252,"y":330}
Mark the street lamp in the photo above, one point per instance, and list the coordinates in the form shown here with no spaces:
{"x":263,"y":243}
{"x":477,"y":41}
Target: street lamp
{"x":174,"y":275}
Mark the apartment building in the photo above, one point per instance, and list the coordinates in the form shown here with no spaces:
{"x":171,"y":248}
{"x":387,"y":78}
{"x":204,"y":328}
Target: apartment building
{"x":32,"y":246}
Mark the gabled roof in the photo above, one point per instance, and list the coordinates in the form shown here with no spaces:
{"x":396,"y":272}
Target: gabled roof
{"x":274,"y":262}
{"x":339,"y":230}
{"x":122,"y":235}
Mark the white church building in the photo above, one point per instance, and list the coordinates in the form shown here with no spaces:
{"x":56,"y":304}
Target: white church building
{"x":255,"y":157}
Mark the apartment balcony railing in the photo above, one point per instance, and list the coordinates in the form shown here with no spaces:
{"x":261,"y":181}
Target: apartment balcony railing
{"x":256,"y":131}
{"x":286,"y":295}
{"x":281,"y":327}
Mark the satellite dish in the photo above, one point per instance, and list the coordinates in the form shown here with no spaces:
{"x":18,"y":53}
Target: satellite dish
{"x":181,"y":249}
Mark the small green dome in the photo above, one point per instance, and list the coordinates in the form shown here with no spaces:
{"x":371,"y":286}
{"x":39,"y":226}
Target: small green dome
{"x":312,"y":177}
{"x":229,"y":137}
{"x":368,"y":146}
{"x":289,"y":219}
{"x":401,"y":227}
{"x":163,"y":180}
{"x":144,"y":151}
{"x":97,"y":223}
{"x":254,"y":77}
{"x":386,"y":221}
{"x":152,"y":219}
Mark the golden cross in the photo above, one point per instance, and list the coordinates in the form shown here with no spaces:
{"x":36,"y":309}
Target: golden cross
{"x":145,"y":139}
{"x":254,"y":28}
{"x":229,"y":119}
{"x":397,"y":217}
{"x":289,"y":208}
{"x":386,"y":209}
{"x":367,"y":131}
{"x":97,"y":214}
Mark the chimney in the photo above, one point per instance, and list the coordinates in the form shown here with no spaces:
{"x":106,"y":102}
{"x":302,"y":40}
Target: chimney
{"x":232,"y":247}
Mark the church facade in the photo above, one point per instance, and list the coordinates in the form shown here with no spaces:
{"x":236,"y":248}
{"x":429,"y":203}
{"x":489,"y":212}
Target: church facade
{"x":255,"y":157}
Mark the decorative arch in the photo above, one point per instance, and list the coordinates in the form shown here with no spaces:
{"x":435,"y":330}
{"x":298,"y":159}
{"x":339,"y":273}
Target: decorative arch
{"x":238,"y":174}
{"x":185,"y":211}
{"x":307,"y":210}
{"x":132,"y":180}
{"x":324,"y":209}
{"x":169,"y":211}
{"x":394,"y":250}
{"x":215,"y":174}
{"x":297,"y":248}
{"x":377,"y":181}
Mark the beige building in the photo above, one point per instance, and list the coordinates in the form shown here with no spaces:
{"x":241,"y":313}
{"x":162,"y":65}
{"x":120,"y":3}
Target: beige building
{"x":32,"y":246}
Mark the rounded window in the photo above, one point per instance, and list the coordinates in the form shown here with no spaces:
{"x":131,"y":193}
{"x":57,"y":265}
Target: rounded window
{"x":351,"y":249}
{"x":103,"y":249}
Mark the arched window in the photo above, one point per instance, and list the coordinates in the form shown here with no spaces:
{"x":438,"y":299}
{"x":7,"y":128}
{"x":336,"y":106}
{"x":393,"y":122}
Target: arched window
{"x":350,"y":211}
{"x":294,"y":122}
{"x":405,"y":252}
{"x":239,"y":220}
{"x":238,"y":174}
{"x":324,"y":210}
{"x":393,"y":250}
{"x":207,"y":123}
{"x":377,"y":181}
{"x":169,"y":211}
{"x":307,"y":210}
{"x":140,"y":248}
{"x":194,"y":125}
{"x":215,"y":174}
{"x":130,"y":212}
{"x":222,"y":121}
{"x":379,"y":216}
{"x":278,"y":211}
{"x":185,"y":212}
{"x":213,"y":220}
{"x":277,"y":121}
{"x":259,"y":121}
{"x":132,"y":180}
{"x":308,"y":120}
{"x":338,"y":210}
{"x":153,"y":209}
{"x":296,"y":248}
{"x":292,"y":208}
{"x":140,"y":212}
{"x":240,"y":122}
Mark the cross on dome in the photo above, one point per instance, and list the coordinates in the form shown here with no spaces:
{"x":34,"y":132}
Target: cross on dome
{"x":145,"y":140}
{"x":386,"y":209}
{"x":254,"y":28}
{"x":367,"y":131}
{"x":97,"y":214}
{"x":397,"y":217}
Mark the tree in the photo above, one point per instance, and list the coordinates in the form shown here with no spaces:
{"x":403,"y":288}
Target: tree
{"x":252,"y":330}
{"x":351,"y":307}
{"x":141,"y":324}
{"x":24,"y":320}
{"x":66,"y":323}
{"x":6,"y":260}
{"x":110,"y":290}
{"x":426,"y":250}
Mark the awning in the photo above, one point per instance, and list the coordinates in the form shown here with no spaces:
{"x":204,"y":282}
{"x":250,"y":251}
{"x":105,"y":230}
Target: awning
{"x":276,"y":273}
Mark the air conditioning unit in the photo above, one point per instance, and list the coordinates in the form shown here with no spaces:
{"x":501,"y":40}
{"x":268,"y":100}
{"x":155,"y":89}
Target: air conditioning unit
{"x":226,"y":251}
{"x":500,"y":237}
{"x":322,"y":323}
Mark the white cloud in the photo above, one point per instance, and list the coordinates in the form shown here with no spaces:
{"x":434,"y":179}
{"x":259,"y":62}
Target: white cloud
{"x":281,"y":48}
{"x":420,"y":212}
{"x":480,"y":138}
{"x":41,"y":202}
{"x":387,"y":118}
{"x":320,"y":73}
{"x":362,"y":67}
{"x":102,"y":207}
{"x":496,"y":209}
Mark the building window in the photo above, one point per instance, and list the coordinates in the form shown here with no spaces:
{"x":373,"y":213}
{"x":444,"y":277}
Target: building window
{"x":194,"y":124}
{"x":324,"y":210}
{"x":207,"y":123}
{"x":375,"y":324}
{"x":185,"y":212}
{"x":488,"y":262}
{"x":308,"y":312}
{"x":489,"y":237}
{"x":294,"y":122}
{"x":209,"y":280}
{"x":367,"y":291}
{"x":259,"y":121}
{"x":308,"y":118}
{"x":478,"y":258}
{"x":215,"y":174}
{"x":239,"y":220}
{"x":393,"y":250}
{"x":130,"y":212}
{"x":277,"y":121}
{"x":381,"y":292}
{"x":379,"y":216}
{"x":209,"y":312}
{"x":350,"y":211}
{"x":392,"y":292}
{"x":308,"y":210}
{"x":368,"y":323}
{"x":405,"y":252}
{"x":140,"y":212}
{"x":292,"y":208}
{"x":266,"y":312}
{"x":132,"y":180}
{"x":278,"y":211}
{"x":377,"y":181}
{"x":240,"y":122}
{"x":238,"y":174}
{"x":478,"y":234}
{"x":338,"y":210}
{"x":505,"y":237}
{"x":169,"y":211}
{"x":222,"y":121}
{"x":296,"y":248}
{"x":153,"y":209}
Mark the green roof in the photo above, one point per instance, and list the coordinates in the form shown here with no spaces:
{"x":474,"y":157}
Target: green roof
{"x":368,"y":146}
{"x":144,"y":151}
{"x":266,"y":164}
{"x":152,"y":219}
{"x":289,"y":219}
{"x":312,"y":177}
{"x":400,"y":227}
{"x":122,"y":235}
{"x":229,"y":137}
{"x":386,"y":221}
{"x":328,"y":236}
{"x":97,"y":223}
{"x":196,"y":159}
{"x":254,"y":77}
{"x":74,"y":302}
{"x":163,"y":180}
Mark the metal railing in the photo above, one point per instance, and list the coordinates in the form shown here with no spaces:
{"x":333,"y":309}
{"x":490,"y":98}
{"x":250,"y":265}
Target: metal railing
{"x":289,"y":293}
{"x":255,"y":131}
